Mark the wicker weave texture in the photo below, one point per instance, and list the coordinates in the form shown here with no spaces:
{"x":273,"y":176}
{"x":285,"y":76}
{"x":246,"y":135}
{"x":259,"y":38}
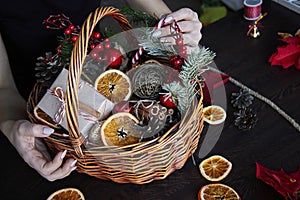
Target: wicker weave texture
{"x":138,"y":163}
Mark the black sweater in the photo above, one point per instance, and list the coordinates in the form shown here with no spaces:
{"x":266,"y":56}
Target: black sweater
{"x":25,"y":37}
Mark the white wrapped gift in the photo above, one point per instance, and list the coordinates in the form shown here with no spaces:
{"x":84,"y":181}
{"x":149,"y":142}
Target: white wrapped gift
{"x":92,"y":105}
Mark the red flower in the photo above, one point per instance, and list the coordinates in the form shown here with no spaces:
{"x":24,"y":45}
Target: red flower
{"x":287,"y":55}
{"x":288,"y":185}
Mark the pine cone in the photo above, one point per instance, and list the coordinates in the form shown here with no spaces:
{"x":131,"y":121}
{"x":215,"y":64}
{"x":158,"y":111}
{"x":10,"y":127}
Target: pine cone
{"x":245,"y":119}
{"x":241,"y":100}
{"x":47,"y":68}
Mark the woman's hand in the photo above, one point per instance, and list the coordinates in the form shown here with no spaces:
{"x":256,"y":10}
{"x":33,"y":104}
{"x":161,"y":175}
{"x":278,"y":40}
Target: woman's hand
{"x":189,"y":24}
{"x":26,"y":137}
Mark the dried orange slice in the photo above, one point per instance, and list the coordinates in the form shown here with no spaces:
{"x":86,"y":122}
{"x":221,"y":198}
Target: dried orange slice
{"x":217,"y":191}
{"x":120,"y":129}
{"x":67,"y":194}
{"x":43,"y":118}
{"x":215,"y":168}
{"x":114,"y":85}
{"x":214,"y":114}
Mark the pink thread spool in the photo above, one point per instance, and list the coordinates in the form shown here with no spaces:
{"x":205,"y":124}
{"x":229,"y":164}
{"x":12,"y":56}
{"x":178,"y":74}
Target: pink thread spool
{"x":252,"y":9}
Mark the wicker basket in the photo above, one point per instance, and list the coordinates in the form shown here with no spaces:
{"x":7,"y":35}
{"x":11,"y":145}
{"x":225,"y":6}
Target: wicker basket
{"x":138,"y":163}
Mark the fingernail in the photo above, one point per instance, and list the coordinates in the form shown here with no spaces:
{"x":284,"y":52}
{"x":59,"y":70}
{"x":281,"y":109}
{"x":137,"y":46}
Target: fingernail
{"x":168,"y":19}
{"x":156,"y":33}
{"x":63,"y":154}
{"x":65,"y":135}
{"x":73,"y":168}
{"x":73,"y":163}
{"x":47,"y":130}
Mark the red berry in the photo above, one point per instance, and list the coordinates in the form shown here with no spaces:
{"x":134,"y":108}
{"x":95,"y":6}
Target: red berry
{"x":68,"y":31}
{"x":176,"y":62}
{"x":182,"y":52}
{"x":72,"y":27}
{"x":106,"y":40}
{"x":114,"y":58}
{"x":183,"y":48}
{"x":94,"y":55}
{"x":92,"y":46}
{"x":167,"y":101}
{"x":96,"y":35}
{"x":74,"y":38}
{"x":99,"y":47}
{"x":179,"y":41}
{"x":107,"y":45}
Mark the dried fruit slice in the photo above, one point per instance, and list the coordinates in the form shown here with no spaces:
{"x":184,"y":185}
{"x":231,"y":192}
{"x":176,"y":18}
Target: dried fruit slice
{"x":215,"y":168}
{"x":217,"y":191}
{"x":120,"y":129}
{"x":214,"y":114}
{"x":114,"y":85}
{"x":67,"y":194}
{"x":43,"y":118}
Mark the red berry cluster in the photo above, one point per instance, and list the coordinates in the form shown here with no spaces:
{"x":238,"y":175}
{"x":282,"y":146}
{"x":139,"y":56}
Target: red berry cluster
{"x":178,"y":60}
{"x":175,"y":30}
{"x":100,"y":47}
{"x":104,"y":52}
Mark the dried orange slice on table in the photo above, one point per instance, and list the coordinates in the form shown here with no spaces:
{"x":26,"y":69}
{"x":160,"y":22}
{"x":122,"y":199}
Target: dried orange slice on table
{"x":214,"y":114}
{"x":120,"y":129}
{"x":217,"y":191}
{"x":67,"y":194}
{"x":215,"y":168}
{"x":114,"y":85}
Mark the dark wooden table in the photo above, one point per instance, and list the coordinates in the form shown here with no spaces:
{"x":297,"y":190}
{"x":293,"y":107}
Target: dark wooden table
{"x":273,"y":142}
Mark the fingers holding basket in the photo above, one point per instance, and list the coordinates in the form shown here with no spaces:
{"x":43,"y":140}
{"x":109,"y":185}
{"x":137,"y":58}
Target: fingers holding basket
{"x":26,"y":137}
{"x":54,"y":169}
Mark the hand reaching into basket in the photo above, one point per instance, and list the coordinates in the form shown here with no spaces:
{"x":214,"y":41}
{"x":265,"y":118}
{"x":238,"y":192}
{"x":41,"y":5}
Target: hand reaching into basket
{"x":26,"y":137}
{"x":186,"y":18}
{"x":189,"y":25}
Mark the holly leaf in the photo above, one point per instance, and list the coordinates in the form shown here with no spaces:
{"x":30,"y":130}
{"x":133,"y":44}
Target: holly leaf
{"x":286,"y":56}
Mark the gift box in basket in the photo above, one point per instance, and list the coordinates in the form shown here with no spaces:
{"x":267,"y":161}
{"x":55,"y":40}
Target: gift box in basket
{"x":130,"y":116}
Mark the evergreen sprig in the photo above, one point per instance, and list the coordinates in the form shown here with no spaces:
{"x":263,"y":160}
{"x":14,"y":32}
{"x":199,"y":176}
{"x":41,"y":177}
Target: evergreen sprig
{"x":66,"y":48}
{"x":137,"y":17}
{"x":196,"y":64}
{"x":190,"y":74}
{"x":153,"y":46}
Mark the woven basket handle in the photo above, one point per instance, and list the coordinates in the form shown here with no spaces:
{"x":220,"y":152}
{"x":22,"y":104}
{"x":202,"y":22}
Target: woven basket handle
{"x":79,"y":53}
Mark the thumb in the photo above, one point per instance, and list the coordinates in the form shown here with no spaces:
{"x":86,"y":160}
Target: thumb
{"x":28,"y":129}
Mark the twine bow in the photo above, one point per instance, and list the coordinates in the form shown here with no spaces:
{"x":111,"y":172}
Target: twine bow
{"x":59,"y":116}
{"x":58,"y":93}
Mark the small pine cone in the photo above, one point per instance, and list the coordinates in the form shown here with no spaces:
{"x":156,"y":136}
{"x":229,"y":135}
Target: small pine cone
{"x":241,"y":100}
{"x":245,"y":119}
{"x":46,"y":70}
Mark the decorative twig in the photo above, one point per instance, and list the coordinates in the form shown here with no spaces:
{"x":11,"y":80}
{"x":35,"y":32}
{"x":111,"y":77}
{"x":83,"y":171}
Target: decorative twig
{"x":262,"y":98}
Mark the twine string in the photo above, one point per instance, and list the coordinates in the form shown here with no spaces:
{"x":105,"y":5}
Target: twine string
{"x":58,"y":93}
{"x":59,"y":116}
{"x":262,"y":98}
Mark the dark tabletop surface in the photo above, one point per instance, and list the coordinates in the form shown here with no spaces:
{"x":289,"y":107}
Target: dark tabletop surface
{"x":273,"y":142}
